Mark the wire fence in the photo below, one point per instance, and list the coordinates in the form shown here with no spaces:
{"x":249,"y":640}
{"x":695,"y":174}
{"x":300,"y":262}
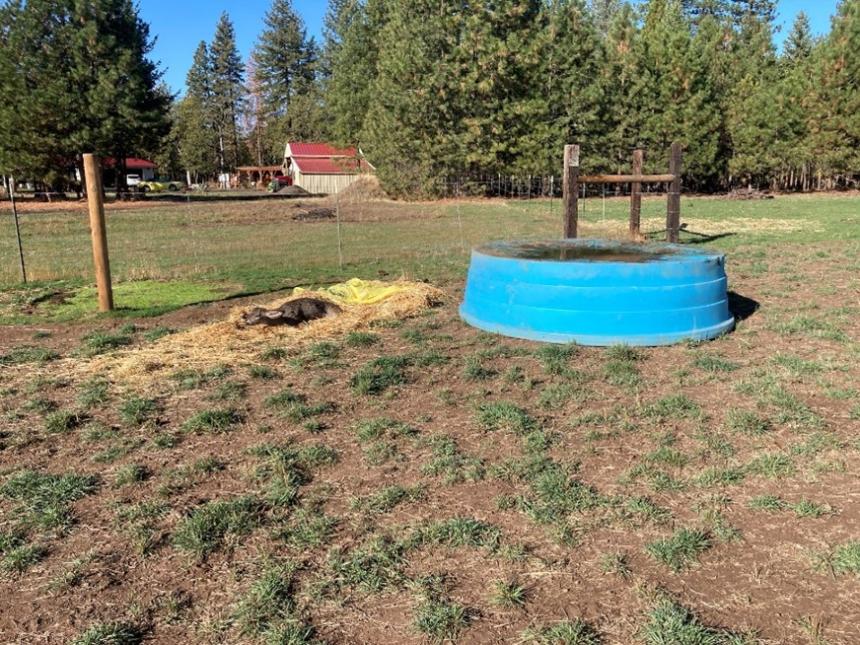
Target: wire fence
{"x":251,"y":240}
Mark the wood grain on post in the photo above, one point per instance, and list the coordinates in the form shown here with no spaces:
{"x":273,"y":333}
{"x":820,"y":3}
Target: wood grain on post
{"x":636,"y":197}
{"x":673,"y":204}
{"x":571,"y":190}
{"x":95,"y":199}
{"x":626,"y":179}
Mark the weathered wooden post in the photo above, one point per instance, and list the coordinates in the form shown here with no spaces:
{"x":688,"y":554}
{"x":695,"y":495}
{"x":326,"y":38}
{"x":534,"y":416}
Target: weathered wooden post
{"x":571,"y":189}
{"x":11,"y":188}
{"x":95,"y":199}
{"x":636,"y":197}
{"x":673,"y":205}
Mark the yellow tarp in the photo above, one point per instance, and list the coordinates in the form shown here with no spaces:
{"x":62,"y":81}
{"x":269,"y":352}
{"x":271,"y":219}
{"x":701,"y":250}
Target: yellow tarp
{"x":360,"y":292}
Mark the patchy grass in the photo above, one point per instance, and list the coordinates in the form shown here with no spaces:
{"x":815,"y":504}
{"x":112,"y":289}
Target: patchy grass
{"x":28,"y":354}
{"x":441,"y":619}
{"x":470,"y":471}
{"x":670,"y":622}
{"x":44,"y":500}
{"x":207,"y":527}
{"x":213,"y":421}
{"x":846,"y":558}
{"x":565,"y":632}
{"x":680,"y":550}
{"x":381,"y":374}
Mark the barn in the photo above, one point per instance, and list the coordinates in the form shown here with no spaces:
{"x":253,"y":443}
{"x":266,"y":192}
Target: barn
{"x":322,"y":169}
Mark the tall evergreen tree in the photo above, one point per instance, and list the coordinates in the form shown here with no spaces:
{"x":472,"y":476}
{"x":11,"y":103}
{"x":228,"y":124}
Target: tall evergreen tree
{"x":93,"y":63}
{"x":604,"y":13}
{"x":496,"y":54}
{"x":567,"y":93}
{"x":793,"y":150}
{"x":835,"y":110}
{"x":411,"y":114}
{"x":753,"y":108}
{"x":227,"y":90}
{"x":285,"y":58}
{"x":673,"y":95}
{"x":799,"y":42}
{"x":352,"y":51}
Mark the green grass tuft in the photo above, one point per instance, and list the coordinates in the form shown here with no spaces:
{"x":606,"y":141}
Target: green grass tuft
{"x":505,"y":416}
{"x":675,"y":406}
{"x":136,"y":410}
{"x":213,"y":421}
{"x":62,"y":421}
{"x":746,"y":422}
{"x":386,"y":499}
{"x":451,"y":463}
{"x":441,"y":619}
{"x":380,"y":374}
{"x":555,"y":358}
{"x":99,"y":342}
{"x":117,"y":633}
{"x":671,"y":623}
{"x":680,"y":550}
{"x":362,"y":339}
{"x":26,"y":354}
{"x":44,"y":499}
{"x":846,"y":558}
{"x":208,"y":526}
{"x":714,"y":364}
{"x":565,"y":632}
{"x":508,"y":593}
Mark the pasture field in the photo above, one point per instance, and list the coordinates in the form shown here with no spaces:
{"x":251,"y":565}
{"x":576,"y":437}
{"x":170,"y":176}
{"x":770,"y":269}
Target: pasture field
{"x":418,"y":480}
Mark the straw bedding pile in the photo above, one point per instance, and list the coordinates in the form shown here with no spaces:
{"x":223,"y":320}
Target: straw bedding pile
{"x":229,"y":342}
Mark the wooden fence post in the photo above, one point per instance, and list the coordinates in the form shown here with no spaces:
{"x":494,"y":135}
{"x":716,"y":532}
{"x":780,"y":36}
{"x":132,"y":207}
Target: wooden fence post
{"x":95,"y":199}
{"x":636,"y":197}
{"x":571,"y":189}
{"x":673,"y":205}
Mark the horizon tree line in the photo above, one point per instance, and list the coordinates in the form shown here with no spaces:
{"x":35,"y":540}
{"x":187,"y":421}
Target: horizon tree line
{"x":433,"y":92}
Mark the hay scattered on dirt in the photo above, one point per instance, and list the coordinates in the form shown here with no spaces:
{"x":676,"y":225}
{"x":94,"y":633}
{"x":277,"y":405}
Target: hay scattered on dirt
{"x":230,"y":343}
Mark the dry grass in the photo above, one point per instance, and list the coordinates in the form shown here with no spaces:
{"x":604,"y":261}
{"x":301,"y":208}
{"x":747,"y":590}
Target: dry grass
{"x":229,"y":342}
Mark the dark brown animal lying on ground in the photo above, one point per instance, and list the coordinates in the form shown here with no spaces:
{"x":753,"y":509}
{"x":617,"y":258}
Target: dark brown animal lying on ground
{"x":292,"y":313}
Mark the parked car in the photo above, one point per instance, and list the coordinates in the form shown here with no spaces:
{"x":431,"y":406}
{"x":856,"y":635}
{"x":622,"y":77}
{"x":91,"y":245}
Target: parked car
{"x":160,"y":186}
{"x":278,"y":182}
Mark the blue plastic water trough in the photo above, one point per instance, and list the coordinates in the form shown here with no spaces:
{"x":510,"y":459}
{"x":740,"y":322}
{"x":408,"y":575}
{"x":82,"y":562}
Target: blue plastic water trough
{"x":594,"y":292}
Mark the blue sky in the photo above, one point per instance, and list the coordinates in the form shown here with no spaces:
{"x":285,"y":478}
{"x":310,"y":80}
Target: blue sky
{"x":180,"y":25}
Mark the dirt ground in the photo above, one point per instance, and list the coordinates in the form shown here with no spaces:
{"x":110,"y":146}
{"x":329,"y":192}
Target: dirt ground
{"x":562,"y":471}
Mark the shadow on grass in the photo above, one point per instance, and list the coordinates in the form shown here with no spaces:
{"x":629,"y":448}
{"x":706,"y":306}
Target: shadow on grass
{"x":741,"y":306}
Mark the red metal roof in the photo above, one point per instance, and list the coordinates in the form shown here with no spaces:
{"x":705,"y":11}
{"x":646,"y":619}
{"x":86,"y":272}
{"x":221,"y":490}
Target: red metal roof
{"x":328,"y":166}
{"x":131,"y":163}
{"x":299,"y":149}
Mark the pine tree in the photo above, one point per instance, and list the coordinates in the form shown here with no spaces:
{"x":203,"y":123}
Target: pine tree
{"x":285,"y":58}
{"x":196,"y":140}
{"x":352,"y":51}
{"x":568,"y":86}
{"x":199,"y":78}
{"x":673,"y":96}
{"x":604,"y":13}
{"x":617,"y":75}
{"x":835,"y":110}
{"x":227,"y":90}
{"x":793,"y":147}
{"x":753,"y":108}
{"x":410,"y":116}
{"x":496,"y":55}
{"x":92,"y":63}
{"x":799,"y":42}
